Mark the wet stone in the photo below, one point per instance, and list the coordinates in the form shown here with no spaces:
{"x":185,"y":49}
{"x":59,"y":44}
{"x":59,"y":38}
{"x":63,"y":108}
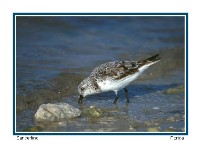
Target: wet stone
{"x":56,"y":112}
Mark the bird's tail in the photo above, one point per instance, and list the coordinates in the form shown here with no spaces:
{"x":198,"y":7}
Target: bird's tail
{"x":151,"y":60}
{"x":154,"y":58}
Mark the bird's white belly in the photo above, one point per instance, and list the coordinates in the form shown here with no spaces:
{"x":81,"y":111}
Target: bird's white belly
{"x":115,"y":85}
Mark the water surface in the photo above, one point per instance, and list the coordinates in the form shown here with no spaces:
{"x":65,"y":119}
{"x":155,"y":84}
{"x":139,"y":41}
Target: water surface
{"x":54,"y":54}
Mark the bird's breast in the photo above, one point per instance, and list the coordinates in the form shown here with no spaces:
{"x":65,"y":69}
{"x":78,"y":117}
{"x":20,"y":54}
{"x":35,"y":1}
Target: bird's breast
{"x":115,"y":85}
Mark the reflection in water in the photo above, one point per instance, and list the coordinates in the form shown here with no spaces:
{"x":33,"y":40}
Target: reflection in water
{"x":54,"y":54}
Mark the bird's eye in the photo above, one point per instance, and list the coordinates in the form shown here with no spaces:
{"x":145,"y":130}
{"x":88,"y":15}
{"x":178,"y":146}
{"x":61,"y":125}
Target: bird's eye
{"x":82,"y":88}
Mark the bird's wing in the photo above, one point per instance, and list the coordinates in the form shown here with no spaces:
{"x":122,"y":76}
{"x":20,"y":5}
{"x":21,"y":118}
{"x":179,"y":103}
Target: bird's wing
{"x":121,"y":69}
{"x":115,"y":70}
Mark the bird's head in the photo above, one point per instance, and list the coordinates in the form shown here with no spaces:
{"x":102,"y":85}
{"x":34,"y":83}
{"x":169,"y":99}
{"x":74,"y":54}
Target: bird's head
{"x":87,"y":87}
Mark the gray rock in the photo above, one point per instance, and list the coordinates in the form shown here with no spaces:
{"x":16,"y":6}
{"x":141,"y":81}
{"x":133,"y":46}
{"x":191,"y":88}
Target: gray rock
{"x":56,"y":112}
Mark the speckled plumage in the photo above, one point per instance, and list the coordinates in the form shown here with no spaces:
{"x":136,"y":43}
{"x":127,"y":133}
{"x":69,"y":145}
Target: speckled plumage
{"x":113,"y":76}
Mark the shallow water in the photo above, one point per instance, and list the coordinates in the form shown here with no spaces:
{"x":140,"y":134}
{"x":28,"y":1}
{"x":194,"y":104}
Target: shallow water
{"x":54,"y":54}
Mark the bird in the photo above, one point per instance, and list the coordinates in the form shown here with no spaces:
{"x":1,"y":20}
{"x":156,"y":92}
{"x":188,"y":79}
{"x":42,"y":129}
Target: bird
{"x":114,"y":76}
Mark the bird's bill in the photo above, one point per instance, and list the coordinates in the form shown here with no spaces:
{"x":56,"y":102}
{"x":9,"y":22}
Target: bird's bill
{"x":80,"y":99}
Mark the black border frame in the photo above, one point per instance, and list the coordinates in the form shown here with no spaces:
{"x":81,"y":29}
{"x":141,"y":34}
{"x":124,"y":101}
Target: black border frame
{"x":104,"y":133}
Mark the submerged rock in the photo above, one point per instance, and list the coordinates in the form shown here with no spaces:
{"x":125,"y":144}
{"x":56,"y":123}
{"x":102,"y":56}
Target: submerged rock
{"x":170,"y":129}
{"x":56,"y":112}
{"x":175,"y":90}
{"x":153,"y":129}
{"x":33,"y":129}
{"x":93,"y":112}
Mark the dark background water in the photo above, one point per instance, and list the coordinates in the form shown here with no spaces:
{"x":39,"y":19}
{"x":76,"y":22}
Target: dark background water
{"x":55,"y":53}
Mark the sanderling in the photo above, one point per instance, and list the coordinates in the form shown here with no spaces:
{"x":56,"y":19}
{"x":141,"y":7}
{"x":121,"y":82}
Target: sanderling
{"x":113,"y":76}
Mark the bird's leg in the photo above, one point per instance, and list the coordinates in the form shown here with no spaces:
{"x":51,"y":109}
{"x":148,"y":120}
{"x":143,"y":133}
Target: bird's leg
{"x":116,"y":98}
{"x":80,"y":99}
{"x":126,"y":92}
